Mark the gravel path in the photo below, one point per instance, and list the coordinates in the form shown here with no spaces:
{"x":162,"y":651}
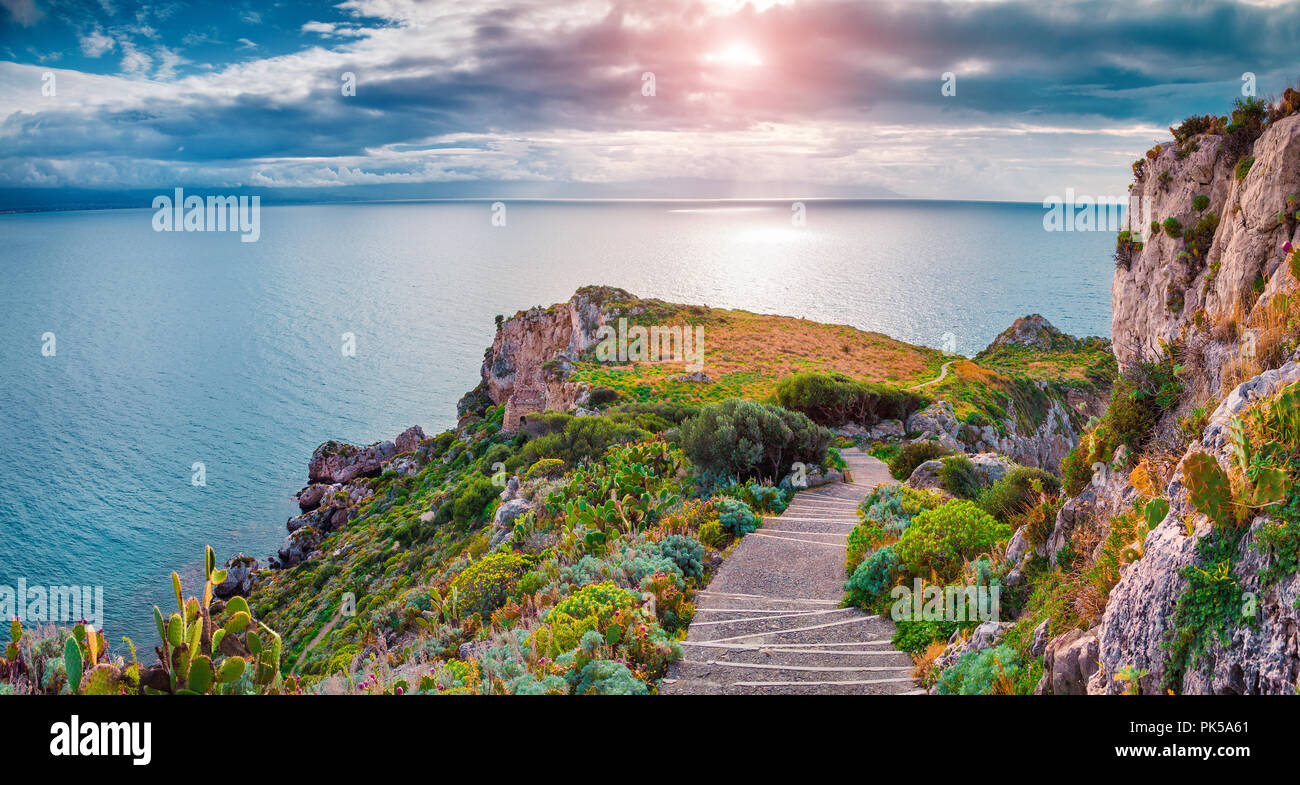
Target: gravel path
{"x":770,"y":623}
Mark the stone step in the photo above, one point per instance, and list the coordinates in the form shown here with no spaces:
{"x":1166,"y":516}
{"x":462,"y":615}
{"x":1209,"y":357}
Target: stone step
{"x":838,"y":656}
{"x":723,"y":672}
{"x":828,"y":628}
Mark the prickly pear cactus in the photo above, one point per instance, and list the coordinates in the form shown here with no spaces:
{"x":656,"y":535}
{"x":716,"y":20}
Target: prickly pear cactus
{"x":201,"y":656}
{"x":1210,"y":489}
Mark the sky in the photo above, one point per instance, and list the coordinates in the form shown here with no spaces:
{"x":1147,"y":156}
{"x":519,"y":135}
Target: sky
{"x":593,"y":98}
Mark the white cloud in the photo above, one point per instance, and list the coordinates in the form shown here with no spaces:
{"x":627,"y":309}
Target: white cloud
{"x":244,"y":43}
{"x":24,"y":12}
{"x":168,"y":60}
{"x":96,"y":44}
{"x":135,"y":62}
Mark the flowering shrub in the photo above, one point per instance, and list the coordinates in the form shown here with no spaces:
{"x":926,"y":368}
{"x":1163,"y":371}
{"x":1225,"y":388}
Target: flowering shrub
{"x":942,"y":539}
{"x":485,"y":584}
{"x":590,"y":608}
{"x":671,"y":606}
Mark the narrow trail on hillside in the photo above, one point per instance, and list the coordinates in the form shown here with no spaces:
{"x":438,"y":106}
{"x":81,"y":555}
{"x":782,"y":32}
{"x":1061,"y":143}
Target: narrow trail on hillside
{"x":769,"y":623}
{"x":943,"y":371}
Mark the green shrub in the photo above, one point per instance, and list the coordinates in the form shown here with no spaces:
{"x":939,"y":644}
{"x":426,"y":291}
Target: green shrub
{"x":915,"y":636}
{"x":600,"y":396}
{"x":978,"y":672}
{"x":942,"y":539}
{"x":958,"y":476}
{"x":474,"y":499}
{"x":1140,"y":396}
{"x":886,"y":512}
{"x":743,"y":439}
{"x":575,"y":439}
{"x":1018,"y":489}
{"x":1173,"y":227}
{"x":913,"y":455}
{"x":873,"y":578}
{"x":1243,"y":166}
{"x":607,"y":677}
{"x":686,"y":552}
{"x":735,"y":516}
{"x":486,"y":584}
{"x":591,"y":607}
{"x":713,"y":535}
{"x":546,"y":467}
{"x":832,"y":399}
{"x":1201,"y":202}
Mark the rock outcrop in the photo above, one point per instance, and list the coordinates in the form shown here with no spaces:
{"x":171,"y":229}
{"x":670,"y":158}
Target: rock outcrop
{"x":991,"y":467}
{"x":1157,"y":296}
{"x":530,"y":360}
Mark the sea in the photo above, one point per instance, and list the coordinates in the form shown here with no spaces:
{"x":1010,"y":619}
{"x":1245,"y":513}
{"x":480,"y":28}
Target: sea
{"x":162,"y":391}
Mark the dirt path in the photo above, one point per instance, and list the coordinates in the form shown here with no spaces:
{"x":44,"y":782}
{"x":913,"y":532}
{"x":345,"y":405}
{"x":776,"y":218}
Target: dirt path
{"x":770,"y":621}
{"x":943,"y":371}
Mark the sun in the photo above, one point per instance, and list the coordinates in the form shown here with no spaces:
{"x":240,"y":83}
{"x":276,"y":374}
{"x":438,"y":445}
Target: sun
{"x":736,"y":53}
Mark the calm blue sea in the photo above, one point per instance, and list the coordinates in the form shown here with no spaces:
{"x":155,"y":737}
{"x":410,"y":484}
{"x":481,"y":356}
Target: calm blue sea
{"x":176,"y":348}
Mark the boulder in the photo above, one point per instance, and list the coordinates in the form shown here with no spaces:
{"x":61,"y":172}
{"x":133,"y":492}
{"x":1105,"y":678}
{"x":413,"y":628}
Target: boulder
{"x":309,"y":497}
{"x":1038,"y":643}
{"x":335,"y":462}
{"x":991,"y":467}
{"x":299,"y":545}
{"x":937,"y":419}
{"x":888,"y":429}
{"x":851,"y":430}
{"x":409,"y":440}
{"x":240,"y":570}
{"x":1069,"y":661}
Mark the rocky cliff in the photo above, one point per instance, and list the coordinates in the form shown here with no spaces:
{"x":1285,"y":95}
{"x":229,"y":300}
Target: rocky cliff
{"x":1221,"y":212}
{"x":1199,"y":606}
{"x":533,"y":352}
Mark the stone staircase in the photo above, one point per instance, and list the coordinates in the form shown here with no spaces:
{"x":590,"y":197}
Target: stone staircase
{"x":770,"y":623}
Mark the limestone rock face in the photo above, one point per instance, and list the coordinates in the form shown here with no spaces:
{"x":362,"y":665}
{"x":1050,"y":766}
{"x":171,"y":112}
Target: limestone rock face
{"x":533,"y":352}
{"x":409,"y":439}
{"x":1259,"y":658}
{"x":1042,"y":448}
{"x":937,"y":419}
{"x":1032,"y":331}
{"x":1109,"y":494}
{"x":1155,"y":297}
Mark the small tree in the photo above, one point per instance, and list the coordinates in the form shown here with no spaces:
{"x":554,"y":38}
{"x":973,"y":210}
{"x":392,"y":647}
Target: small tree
{"x":743,"y":439}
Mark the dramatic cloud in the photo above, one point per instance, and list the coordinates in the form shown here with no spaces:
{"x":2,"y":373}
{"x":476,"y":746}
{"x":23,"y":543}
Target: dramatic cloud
{"x":819,"y":96}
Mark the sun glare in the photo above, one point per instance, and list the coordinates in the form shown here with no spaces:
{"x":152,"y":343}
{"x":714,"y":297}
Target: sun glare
{"x":736,"y":54}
